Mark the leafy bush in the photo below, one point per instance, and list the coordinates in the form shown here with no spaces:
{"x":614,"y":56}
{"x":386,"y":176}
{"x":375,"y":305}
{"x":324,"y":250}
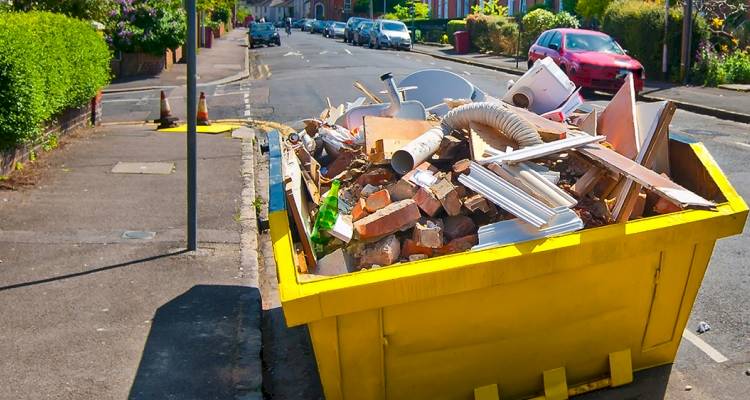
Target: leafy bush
{"x":491,"y":7}
{"x":150,"y":26}
{"x":639,"y":27}
{"x":492,"y":33}
{"x":221,"y":14}
{"x":48,"y":62}
{"x":455,"y":26}
{"x":592,"y":9}
{"x":96,"y":10}
{"x":540,"y":20}
{"x":401,"y":12}
{"x":712,"y":69}
{"x":737,"y":66}
{"x":570,"y":6}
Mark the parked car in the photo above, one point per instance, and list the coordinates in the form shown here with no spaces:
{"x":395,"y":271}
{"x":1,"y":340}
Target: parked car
{"x":264,"y":33}
{"x":388,"y":33}
{"x":297,"y":23}
{"x":318,"y":26}
{"x":362,"y":34}
{"x":279,"y":24}
{"x":307,"y":25}
{"x":334,"y":30}
{"x":351,"y":26}
{"x":592,"y":60}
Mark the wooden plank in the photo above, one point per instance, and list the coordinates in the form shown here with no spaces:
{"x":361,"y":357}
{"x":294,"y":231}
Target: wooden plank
{"x":650,"y":180}
{"x":482,"y":136}
{"x":589,"y":123}
{"x":618,"y":121}
{"x":585,"y":183}
{"x":548,"y":130}
{"x":300,"y":213}
{"x":377,"y":128}
{"x":362,"y":88}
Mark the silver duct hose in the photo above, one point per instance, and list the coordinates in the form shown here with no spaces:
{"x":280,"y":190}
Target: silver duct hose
{"x":495,"y":116}
{"x":490,"y":114}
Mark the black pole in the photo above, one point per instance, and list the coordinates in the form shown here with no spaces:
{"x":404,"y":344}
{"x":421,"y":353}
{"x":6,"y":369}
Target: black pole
{"x":192,"y":192}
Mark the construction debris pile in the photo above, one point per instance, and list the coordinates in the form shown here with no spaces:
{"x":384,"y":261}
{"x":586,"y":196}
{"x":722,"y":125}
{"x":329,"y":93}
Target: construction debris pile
{"x":442,"y":167}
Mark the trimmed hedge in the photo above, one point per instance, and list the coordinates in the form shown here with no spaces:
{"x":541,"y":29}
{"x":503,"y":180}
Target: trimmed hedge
{"x":639,"y":27}
{"x":453,"y":27}
{"x":48,"y":62}
{"x":493,"y":33}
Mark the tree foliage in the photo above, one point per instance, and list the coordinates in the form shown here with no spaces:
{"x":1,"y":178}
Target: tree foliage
{"x":491,"y":7}
{"x":592,"y":9}
{"x":151,"y":26}
{"x":96,"y":10}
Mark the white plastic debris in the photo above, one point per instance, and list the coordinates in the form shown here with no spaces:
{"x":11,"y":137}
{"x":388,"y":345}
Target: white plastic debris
{"x":423,"y":178}
{"x":703,"y":327}
{"x":541,"y":89}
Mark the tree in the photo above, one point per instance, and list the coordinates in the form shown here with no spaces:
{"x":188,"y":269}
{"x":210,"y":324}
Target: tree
{"x":151,"y":26}
{"x":491,"y":7}
{"x":97,"y":10}
{"x":421,"y":11}
{"x":592,"y":9}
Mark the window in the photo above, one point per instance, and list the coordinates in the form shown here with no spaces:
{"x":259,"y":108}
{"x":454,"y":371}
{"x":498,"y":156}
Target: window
{"x":511,"y":6}
{"x":347,"y":6}
{"x":556,"y":40}
{"x":467,"y":8}
{"x":544,"y":39}
{"x":394,"y":26}
{"x":445,"y":8}
{"x":523,"y":6}
{"x":586,"y":42}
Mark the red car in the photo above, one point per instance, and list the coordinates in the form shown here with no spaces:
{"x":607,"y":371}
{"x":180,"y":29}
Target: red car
{"x":592,"y":60}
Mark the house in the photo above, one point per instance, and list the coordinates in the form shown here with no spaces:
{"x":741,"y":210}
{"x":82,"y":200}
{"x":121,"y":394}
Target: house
{"x":462,"y":8}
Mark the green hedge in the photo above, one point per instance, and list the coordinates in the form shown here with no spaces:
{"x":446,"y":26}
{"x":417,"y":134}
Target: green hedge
{"x":639,"y":27}
{"x":48,"y":62}
{"x":493,"y":33}
{"x":453,"y":27}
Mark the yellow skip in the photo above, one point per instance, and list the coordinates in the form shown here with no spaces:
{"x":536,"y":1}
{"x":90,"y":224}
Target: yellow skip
{"x":211,"y":129}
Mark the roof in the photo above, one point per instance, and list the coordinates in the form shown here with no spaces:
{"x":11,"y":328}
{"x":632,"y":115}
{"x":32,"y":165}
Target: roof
{"x":282,"y":3}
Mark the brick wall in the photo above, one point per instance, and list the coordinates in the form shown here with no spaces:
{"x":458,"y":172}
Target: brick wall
{"x":68,"y":121}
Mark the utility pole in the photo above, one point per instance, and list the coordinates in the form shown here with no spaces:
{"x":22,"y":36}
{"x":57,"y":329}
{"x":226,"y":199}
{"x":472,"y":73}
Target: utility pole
{"x":687,"y":25}
{"x":192,"y":175}
{"x":371,"y":17}
{"x":664,"y":61}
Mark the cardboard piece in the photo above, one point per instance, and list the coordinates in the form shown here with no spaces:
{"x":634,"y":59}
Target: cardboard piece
{"x":548,"y":130}
{"x":619,"y":123}
{"x":589,"y":123}
{"x":382,"y":128}
{"x":483,"y":136}
{"x":298,"y":208}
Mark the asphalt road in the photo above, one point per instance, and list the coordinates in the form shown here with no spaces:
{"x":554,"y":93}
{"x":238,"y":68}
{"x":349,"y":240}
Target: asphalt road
{"x":292,"y":82}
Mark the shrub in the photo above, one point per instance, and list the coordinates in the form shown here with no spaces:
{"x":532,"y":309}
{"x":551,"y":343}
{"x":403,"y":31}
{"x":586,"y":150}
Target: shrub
{"x":221,"y":14}
{"x":540,"y":20}
{"x":150,"y":26}
{"x":48,"y":62}
{"x":592,"y":9}
{"x":455,"y":26}
{"x":737,"y":66}
{"x":712,"y":69}
{"x":492,"y":33}
{"x":639,"y":27}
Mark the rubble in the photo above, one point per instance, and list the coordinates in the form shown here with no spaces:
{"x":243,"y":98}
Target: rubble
{"x":414,"y":183}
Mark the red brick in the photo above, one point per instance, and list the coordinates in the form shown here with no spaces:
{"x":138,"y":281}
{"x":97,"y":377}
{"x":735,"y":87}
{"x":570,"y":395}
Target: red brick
{"x":478,"y":203}
{"x":359,"y":211}
{"x":410,"y":247}
{"x":458,"y":245}
{"x":458,"y":226}
{"x":340,"y":164}
{"x":402,"y":190}
{"x":376,"y":177}
{"x":429,"y":234}
{"x":384,"y":252}
{"x":425,"y":166}
{"x":392,"y":218}
{"x":377,"y":200}
{"x":448,"y":196}
{"x":427,"y":202}
{"x":462,"y":166}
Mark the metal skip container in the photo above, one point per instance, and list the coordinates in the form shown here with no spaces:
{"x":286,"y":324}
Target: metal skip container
{"x":550,"y":317}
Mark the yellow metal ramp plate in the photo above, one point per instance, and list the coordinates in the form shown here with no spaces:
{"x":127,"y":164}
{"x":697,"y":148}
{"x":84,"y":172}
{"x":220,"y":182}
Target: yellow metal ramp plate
{"x":211,"y":129}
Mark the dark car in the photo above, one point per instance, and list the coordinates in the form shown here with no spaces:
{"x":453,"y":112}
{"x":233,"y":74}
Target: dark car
{"x":297,"y":23}
{"x":362,"y":34}
{"x":279,"y":23}
{"x":334,"y":30}
{"x":351,"y":26}
{"x":318,"y":26}
{"x":307,"y":25}
{"x":264,"y":33}
{"x":592,"y":60}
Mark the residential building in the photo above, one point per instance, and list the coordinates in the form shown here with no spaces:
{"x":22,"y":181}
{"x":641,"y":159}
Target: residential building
{"x":461,"y":8}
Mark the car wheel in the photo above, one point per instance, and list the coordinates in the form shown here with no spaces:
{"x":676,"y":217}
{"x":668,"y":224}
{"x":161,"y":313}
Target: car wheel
{"x":377,"y":44}
{"x":252,"y":46}
{"x":529,"y":64}
{"x":369,"y":44}
{"x":278,"y":42}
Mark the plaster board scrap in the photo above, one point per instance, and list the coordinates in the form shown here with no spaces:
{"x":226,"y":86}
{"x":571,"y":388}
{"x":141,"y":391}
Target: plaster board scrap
{"x":589,"y":123}
{"x":484,"y":138}
{"x":544,"y":149}
{"x":509,"y":197}
{"x":539,"y":184}
{"x":619,"y":122}
{"x":650,"y":180}
{"x":516,"y":230}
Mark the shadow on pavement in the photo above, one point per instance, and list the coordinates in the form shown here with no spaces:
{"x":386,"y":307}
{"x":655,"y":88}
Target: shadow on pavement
{"x":196,"y":344}
{"x":650,"y":384}
{"x":91,"y":271}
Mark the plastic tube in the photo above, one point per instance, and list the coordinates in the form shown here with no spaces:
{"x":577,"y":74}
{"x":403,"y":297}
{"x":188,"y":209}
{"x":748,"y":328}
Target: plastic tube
{"x":417,"y":151}
{"x":495,"y":116}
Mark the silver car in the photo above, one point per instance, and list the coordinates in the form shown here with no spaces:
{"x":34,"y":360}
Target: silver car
{"x":388,"y":33}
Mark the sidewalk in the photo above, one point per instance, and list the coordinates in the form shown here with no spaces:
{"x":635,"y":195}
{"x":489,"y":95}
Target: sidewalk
{"x":225,"y":61}
{"x":720,"y":103}
{"x":91,"y":313}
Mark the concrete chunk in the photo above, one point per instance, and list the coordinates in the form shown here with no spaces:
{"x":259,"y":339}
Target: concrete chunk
{"x":428,"y":234}
{"x":448,"y":196}
{"x":384,"y":252}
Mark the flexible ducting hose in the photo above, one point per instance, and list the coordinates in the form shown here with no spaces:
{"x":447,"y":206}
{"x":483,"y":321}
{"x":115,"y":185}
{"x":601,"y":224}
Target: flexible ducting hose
{"x":495,"y":116}
{"x":490,"y":114}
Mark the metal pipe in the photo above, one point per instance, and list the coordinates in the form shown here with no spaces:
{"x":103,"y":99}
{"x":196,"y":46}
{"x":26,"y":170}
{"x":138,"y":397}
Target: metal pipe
{"x":192,"y":172}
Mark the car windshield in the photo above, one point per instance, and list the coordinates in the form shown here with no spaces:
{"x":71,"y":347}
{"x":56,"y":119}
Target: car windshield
{"x":584,"y":42}
{"x":394,"y":26}
{"x":262,"y":27}
{"x":339,"y":25}
{"x":365,"y":25}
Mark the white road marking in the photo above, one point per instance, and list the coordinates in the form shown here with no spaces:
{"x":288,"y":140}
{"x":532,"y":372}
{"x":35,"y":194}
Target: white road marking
{"x":293,"y":53}
{"x":347,"y":51}
{"x":745,"y":145}
{"x":432,"y":63}
{"x":467,"y":73}
{"x":247,"y":113}
{"x":323,"y":52}
{"x":703,"y":346}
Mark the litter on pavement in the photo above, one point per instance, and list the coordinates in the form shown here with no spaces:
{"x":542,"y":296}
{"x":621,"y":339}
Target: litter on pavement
{"x":440,"y":167}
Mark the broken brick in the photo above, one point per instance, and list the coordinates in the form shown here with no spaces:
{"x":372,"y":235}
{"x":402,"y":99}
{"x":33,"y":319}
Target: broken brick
{"x":462,"y":166}
{"x":427,"y":202}
{"x":428,"y":234}
{"x":359,"y":211}
{"x":410,"y":248}
{"x":449,"y":147}
{"x":458,"y":226}
{"x":448,"y":196}
{"x":425,"y":166}
{"x":383,"y":252}
{"x":477,"y":203}
{"x":377,"y":200}
{"x":340,"y":164}
{"x":376,"y":177}
{"x":401,"y":190}
{"x":417,"y":257}
{"x":459,"y":244}
{"x":392,"y":218}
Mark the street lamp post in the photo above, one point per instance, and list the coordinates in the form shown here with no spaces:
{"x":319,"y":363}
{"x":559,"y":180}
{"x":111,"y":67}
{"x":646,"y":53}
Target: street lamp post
{"x":192,"y":175}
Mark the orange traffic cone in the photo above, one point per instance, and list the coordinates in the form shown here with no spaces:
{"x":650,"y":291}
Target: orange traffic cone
{"x":166,"y":120}
{"x":202,"y":116}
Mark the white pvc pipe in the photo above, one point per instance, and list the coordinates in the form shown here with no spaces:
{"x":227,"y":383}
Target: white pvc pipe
{"x":417,"y":151}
